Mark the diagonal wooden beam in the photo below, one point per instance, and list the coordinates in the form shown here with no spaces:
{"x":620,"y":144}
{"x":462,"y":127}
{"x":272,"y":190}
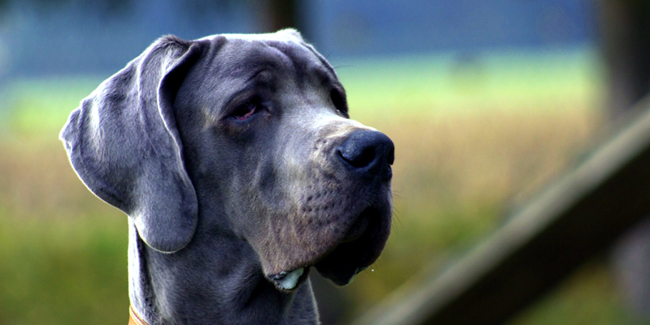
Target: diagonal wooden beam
{"x":577,"y":217}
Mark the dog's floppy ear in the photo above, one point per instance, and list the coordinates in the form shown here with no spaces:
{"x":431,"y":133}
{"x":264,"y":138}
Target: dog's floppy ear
{"x":124,"y":144}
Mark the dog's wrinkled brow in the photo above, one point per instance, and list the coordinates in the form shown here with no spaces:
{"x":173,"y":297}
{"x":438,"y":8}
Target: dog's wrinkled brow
{"x":251,"y":69}
{"x":260,"y":82}
{"x":322,"y":60}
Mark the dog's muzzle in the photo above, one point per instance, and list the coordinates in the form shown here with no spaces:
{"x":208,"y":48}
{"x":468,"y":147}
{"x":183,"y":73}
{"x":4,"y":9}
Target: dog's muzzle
{"x":367,"y":156}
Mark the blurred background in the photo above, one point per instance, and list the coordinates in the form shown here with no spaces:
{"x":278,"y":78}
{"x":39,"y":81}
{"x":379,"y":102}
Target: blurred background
{"x":487,"y":102}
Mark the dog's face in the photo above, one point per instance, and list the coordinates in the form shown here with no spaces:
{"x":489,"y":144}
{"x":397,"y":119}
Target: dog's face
{"x":254,"y":129}
{"x":300,"y":181}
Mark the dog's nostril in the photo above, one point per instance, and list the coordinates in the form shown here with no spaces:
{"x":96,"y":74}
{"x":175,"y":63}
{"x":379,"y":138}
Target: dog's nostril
{"x":367,"y":151}
{"x":358,"y":159}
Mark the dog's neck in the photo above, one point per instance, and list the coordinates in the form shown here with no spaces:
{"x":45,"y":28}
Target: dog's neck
{"x":223,"y":286}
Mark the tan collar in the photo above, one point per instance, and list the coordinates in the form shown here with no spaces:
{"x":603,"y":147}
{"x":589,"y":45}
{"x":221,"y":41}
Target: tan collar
{"x":134,"y":319}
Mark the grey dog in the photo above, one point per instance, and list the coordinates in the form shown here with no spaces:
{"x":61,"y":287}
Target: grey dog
{"x":239,"y":168}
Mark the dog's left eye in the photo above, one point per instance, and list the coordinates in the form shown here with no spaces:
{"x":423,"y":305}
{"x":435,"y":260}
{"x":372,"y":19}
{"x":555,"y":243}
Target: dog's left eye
{"x":338,"y":99}
{"x":245,"y":111}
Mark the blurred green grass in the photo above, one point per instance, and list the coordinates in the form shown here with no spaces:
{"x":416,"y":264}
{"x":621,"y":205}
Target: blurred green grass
{"x":62,"y":252}
{"x":467,"y":84}
{"x":473,"y":135}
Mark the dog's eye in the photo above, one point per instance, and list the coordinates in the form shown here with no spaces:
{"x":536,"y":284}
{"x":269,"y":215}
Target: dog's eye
{"x":338,"y":99}
{"x":245,"y":111}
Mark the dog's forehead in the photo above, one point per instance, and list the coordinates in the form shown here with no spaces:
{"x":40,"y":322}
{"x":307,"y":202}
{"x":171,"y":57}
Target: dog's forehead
{"x":242,"y":54}
{"x":279,"y":65}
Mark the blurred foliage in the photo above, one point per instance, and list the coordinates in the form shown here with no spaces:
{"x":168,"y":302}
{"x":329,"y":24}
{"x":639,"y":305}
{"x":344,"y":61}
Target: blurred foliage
{"x":471,"y":139}
{"x":62,"y":255}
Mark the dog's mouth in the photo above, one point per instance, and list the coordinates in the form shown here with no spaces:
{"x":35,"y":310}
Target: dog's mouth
{"x":360,"y":247}
{"x":354,"y":252}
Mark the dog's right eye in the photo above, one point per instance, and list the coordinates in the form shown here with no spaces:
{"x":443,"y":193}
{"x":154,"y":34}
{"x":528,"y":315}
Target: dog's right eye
{"x":245,"y":111}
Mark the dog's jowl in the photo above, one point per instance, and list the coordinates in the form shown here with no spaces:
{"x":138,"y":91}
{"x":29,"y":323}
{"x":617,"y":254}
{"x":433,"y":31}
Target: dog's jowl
{"x":240,"y":171}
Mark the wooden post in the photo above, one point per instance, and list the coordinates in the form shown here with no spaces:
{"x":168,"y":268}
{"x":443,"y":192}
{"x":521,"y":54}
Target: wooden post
{"x":625,"y":43}
{"x":279,"y":14}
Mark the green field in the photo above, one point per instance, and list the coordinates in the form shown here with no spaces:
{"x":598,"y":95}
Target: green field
{"x":473,"y":136}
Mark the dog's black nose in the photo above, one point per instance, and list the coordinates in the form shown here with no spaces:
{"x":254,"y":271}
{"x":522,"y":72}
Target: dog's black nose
{"x":368,"y":152}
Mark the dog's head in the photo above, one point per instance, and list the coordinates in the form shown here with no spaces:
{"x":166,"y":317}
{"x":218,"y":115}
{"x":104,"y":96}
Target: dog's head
{"x":255,"y":123}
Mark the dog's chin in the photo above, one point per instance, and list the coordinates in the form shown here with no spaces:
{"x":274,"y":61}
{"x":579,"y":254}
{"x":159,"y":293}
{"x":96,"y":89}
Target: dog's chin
{"x":351,"y":253}
{"x":358,"y":249}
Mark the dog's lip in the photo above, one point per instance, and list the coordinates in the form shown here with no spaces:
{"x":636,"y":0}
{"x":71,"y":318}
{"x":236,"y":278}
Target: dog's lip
{"x":357,"y":229}
{"x":358,"y":249}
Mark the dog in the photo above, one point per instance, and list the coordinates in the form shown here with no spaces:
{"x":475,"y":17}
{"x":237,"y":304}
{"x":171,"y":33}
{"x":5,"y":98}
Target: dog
{"x":239,"y":168}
